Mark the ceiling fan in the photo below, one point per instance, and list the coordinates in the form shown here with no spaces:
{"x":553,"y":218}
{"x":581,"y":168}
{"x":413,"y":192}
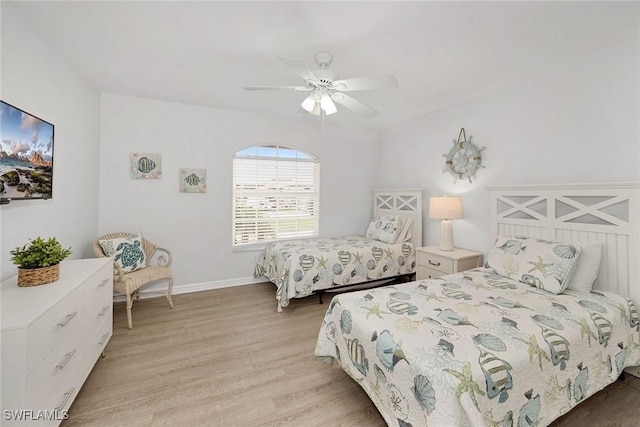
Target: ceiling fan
{"x":325,"y":87}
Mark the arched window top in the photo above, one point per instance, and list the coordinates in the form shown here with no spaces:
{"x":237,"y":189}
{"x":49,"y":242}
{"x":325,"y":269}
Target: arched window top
{"x":274,"y":151}
{"x":275,"y":194}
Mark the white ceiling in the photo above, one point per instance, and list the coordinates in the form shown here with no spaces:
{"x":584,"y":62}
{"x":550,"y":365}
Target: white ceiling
{"x":204,"y":52}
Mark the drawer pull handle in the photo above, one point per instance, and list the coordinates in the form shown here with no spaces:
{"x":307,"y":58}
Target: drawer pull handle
{"x":104,"y":282}
{"x":103,"y":311}
{"x":67,"y":319}
{"x":437,"y":264}
{"x":67,"y":358}
{"x":103,"y":339}
{"x":65,"y":399}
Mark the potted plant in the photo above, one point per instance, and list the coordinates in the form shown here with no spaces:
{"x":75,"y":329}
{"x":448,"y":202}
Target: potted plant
{"x":39,"y":261}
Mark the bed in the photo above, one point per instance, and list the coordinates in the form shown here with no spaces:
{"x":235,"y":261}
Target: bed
{"x":303,"y":267}
{"x":504,"y":344}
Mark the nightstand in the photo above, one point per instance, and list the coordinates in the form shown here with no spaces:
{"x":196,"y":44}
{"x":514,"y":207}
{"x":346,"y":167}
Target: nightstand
{"x":433,"y":262}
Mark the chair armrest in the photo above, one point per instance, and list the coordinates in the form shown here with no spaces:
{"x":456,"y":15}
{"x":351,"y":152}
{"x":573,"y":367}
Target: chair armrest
{"x":162,"y":257}
{"x":118,"y":274}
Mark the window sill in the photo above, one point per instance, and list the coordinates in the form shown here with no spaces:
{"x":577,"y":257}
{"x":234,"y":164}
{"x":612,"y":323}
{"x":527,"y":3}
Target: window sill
{"x":256,"y":247}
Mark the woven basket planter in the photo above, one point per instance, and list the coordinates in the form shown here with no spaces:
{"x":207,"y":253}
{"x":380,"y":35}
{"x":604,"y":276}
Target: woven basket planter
{"x":38,"y":276}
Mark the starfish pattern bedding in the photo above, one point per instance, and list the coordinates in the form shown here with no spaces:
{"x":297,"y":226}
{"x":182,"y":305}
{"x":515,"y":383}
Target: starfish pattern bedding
{"x":300,"y":267}
{"x":478,"y":349}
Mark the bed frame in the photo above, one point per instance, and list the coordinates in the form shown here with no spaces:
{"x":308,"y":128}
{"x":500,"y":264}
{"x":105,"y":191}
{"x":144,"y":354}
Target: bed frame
{"x":405,"y":202}
{"x":600,"y":212}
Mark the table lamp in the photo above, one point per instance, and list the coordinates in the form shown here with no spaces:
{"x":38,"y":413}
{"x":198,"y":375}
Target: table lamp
{"x":446,"y":208}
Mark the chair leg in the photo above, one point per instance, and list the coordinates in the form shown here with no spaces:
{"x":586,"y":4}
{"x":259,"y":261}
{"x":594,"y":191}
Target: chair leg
{"x":129,"y":305}
{"x":169,"y":290}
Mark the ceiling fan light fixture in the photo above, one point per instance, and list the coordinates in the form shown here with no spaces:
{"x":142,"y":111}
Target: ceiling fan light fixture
{"x":326,"y":88}
{"x":327,"y":104}
{"x":316,"y":111}
{"x":309,"y":103}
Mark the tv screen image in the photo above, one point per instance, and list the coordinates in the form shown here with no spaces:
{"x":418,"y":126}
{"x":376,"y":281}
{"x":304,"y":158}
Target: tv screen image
{"x":26,"y":155}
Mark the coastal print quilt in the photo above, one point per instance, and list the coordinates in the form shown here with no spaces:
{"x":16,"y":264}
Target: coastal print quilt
{"x":477,"y":349}
{"x":300,"y":267}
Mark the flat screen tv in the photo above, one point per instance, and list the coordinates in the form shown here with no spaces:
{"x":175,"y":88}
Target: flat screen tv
{"x":26,"y":155}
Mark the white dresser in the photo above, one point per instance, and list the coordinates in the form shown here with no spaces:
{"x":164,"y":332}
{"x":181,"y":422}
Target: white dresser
{"x":51,"y":337}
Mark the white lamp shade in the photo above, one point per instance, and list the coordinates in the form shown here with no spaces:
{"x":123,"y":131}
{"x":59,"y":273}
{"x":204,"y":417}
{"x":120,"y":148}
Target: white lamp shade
{"x":327,"y":104}
{"x":446,"y":207}
{"x":309,"y":103}
{"x":316,"y":109}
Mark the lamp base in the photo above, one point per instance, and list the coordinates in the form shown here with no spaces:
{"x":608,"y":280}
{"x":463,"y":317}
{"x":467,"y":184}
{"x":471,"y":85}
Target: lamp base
{"x":446,"y":235}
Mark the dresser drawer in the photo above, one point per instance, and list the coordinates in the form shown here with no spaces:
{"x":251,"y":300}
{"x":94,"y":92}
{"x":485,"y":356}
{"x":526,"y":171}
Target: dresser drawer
{"x":59,"y":367}
{"x":98,"y":339}
{"x":428,"y":273}
{"x":100,"y":289}
{"x":435,"y":262}
{"x":61,"y":320}
{"x":61,"y":397}
{"x":97,"y":314}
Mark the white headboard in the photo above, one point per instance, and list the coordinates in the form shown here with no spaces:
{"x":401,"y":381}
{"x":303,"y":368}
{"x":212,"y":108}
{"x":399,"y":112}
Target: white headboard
{"x":406,"y":202}
{"x":607,"y":213}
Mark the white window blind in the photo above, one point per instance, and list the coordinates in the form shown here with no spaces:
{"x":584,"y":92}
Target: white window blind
{"x":275,"y":194}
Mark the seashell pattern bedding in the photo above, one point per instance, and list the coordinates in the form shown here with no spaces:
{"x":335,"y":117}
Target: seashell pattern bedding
{"x":477,"y":349}
{"x":300,"y":267}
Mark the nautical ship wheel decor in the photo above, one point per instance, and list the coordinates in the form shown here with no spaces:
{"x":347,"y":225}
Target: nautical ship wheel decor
{"x":464,"y":158}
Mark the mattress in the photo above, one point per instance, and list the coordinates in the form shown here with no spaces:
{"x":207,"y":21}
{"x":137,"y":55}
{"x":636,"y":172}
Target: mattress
{"x":301,"y":267}
{"x":476,"y":349}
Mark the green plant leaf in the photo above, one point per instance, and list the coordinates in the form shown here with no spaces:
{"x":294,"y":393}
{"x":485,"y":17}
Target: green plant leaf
{"x":39,"y":253}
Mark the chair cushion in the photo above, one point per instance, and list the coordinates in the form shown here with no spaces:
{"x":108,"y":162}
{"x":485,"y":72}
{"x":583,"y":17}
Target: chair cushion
{"x":136,"y":279}
{"x":127,"y":252}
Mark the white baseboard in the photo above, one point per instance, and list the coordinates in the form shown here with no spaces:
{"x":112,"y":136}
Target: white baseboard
{"x":633,"y":370}
{"x":195,"y":287}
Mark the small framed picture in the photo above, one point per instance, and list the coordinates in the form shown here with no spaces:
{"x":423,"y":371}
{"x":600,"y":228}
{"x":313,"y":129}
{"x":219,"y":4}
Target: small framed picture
{"x":193,"y":180}
{"x":146,"y":166}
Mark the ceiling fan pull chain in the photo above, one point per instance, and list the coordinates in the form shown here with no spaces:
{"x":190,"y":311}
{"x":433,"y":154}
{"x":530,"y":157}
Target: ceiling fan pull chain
{"x":323,"y":114}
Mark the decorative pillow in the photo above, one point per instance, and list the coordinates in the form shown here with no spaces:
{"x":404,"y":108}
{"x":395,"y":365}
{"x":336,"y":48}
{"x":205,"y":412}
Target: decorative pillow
{"x":126,"y":251}
{"x":383,"y":228}
{"x":587,"y":268}
{"x":545,"y":264}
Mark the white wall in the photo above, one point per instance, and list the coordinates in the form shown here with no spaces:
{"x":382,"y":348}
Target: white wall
{"x":37,"y":79}
{"x":577,"y":122}
{"x":197,"y":227}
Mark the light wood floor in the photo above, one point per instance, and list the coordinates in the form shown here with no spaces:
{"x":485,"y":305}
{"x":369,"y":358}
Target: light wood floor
{"x":227,"y":358}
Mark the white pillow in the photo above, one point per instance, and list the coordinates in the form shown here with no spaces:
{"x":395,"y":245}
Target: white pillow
{"x":587,"y":268}
{"x":406,"y":230}
{"x":383,"y":228}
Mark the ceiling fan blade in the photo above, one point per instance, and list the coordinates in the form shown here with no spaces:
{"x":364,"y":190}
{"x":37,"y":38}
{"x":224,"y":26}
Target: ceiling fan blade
{"x":366,"y":83}
{"x":354,"y":104}
{"x":300,"y":88}
{"x":299,"y":68}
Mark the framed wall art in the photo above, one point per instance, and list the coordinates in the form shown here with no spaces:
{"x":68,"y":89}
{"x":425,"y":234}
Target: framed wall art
{"x":146,"y":166}
{"x":193,"y":180}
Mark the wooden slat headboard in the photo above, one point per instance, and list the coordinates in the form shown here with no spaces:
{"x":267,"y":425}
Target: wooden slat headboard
{"x":608,"y":213}
{"x":405,"y":202}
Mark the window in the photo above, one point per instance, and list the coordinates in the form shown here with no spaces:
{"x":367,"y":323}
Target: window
{"x":275,"y":194}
